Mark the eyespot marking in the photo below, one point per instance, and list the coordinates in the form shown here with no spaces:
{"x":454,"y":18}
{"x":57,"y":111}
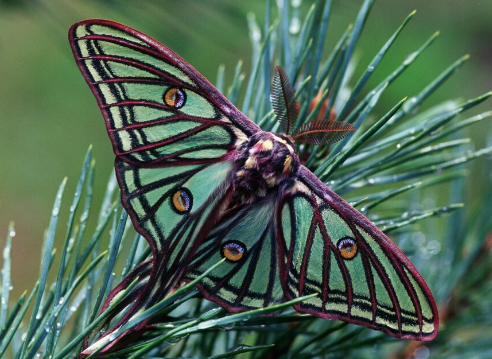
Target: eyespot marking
{"x":347,"y":247}
{"x":233,"y":251}
{"x":182,"y":201}
{"x":174,"y":97}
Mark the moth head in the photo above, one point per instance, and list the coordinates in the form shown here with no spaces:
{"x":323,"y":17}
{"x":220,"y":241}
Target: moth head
{"x":273,"y":156}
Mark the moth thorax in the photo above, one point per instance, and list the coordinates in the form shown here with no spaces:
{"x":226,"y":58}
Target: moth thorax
{"x":265,"y":162}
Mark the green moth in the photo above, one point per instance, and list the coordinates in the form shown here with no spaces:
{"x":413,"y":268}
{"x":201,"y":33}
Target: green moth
{"x":201,"y":182}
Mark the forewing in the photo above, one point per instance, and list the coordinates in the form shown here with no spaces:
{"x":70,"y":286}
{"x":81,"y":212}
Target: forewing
{"x":327,"y":247}
{"x":158,"y":109}
{"x":252,"y":281}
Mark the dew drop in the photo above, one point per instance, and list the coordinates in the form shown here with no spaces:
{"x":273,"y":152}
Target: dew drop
{"x":418,"y":238}
{"x":227,"y":327}
{"x":175,"y":339}
{"x":410,"y":58}
{"x":207,"y":324}
{"x":295,"y":26}
{"x":256,"y":34}
{"x":434,"y":247}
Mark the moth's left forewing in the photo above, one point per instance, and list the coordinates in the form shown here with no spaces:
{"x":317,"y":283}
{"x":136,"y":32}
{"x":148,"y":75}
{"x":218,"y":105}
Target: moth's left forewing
{"x":329,"y":248}
{"x":157,"y":108}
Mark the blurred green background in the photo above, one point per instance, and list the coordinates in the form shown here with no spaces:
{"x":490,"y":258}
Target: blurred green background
{"x":49,"y":117}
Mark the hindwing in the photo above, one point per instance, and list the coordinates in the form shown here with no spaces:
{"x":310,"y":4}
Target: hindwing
{"x":327,"y":247}
{"x":249,"y":278}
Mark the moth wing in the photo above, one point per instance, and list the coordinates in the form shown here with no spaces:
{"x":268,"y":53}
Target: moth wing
{"x":170,"y":206}
{"x":173,"y":134}
{"x":157,"y":108}
{"x":327,"y":247}
{"x":251,"y":280}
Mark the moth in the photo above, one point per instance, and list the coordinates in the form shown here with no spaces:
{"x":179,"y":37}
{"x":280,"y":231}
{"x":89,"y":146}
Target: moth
{"x":202,"y":182}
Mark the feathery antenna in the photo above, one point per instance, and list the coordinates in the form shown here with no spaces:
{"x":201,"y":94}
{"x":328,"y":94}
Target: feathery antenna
{"x":283,"y":100}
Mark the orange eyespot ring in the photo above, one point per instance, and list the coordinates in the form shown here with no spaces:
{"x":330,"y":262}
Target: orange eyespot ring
{"x":182,"y":201}
{"x":233,"y":251}
{"x":174,"y":97}
{"x":347,"y":247}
